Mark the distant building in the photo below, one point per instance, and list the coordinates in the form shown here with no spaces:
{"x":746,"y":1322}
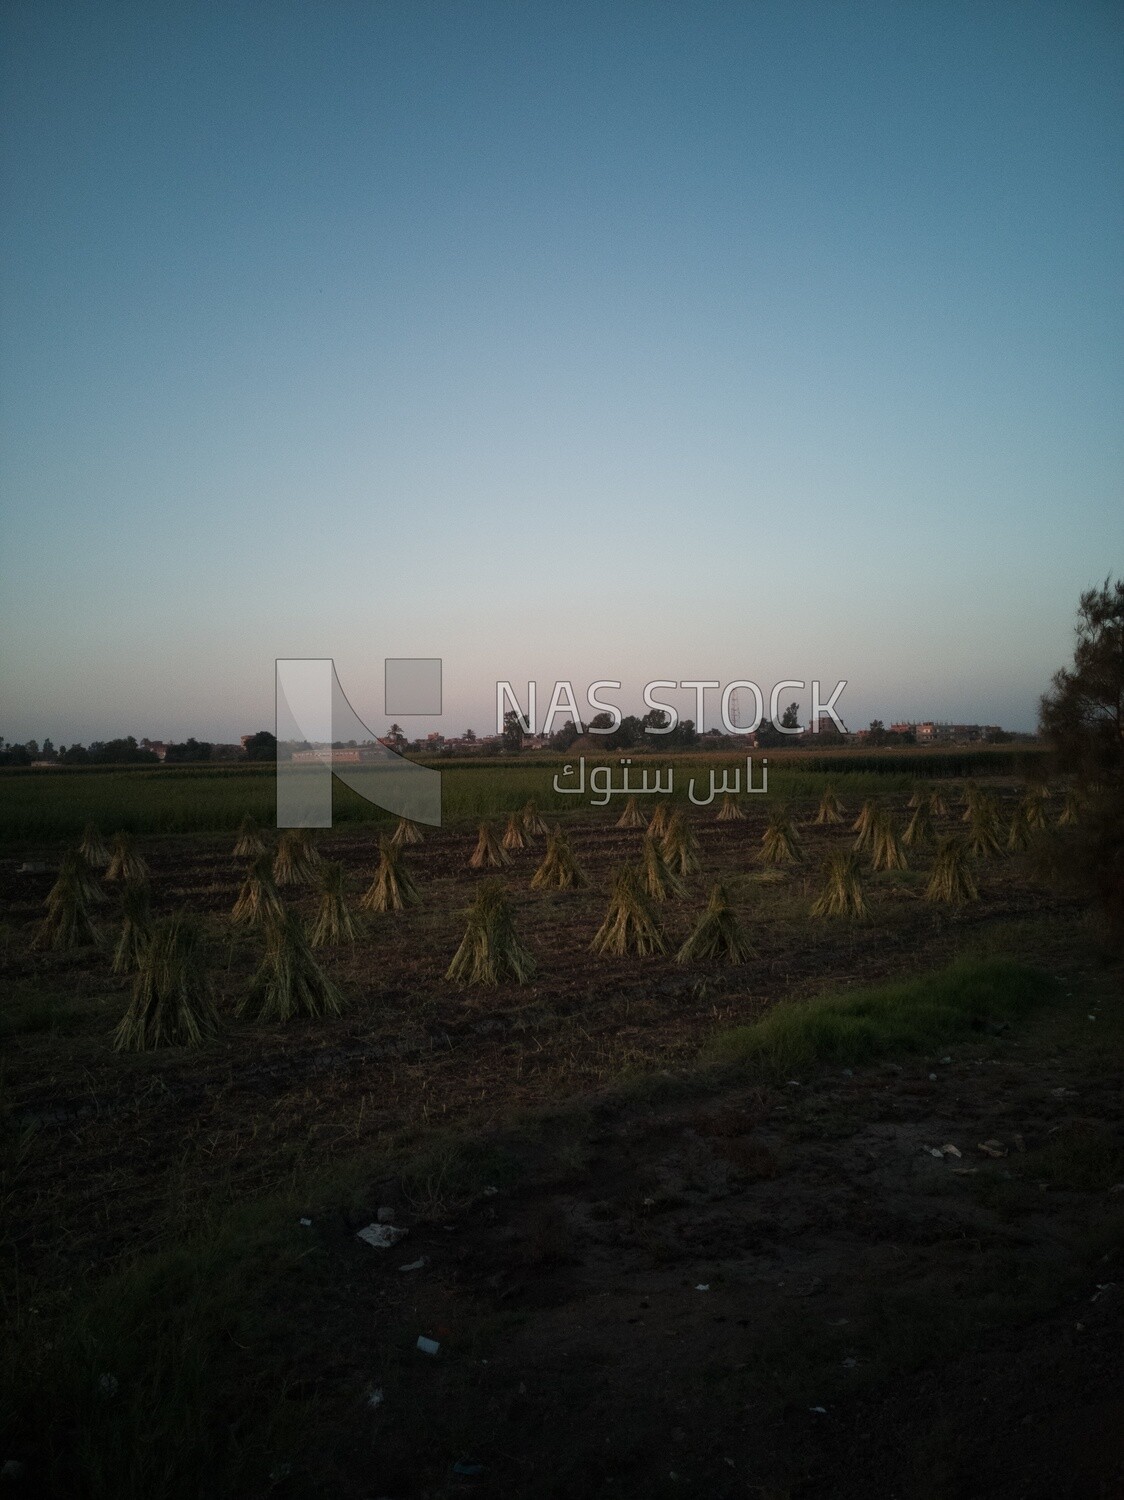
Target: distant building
{"x":930,"y":732}
{"x":825,"y":724}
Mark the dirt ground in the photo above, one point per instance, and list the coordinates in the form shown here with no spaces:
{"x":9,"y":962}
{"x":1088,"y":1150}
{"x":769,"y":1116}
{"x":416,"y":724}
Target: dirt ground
{"x":763,"y":1291}
{"x":122,"y":1148}
{"x":691,"y":1285}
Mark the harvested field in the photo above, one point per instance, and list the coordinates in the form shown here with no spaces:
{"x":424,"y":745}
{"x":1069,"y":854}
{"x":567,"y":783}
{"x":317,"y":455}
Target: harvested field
{"x":111,"y":1157}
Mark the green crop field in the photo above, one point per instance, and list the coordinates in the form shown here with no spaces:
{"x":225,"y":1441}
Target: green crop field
{"x":51,"y":805}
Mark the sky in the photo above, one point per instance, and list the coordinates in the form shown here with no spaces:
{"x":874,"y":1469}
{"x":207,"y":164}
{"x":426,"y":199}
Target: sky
{"x":559,"y":341}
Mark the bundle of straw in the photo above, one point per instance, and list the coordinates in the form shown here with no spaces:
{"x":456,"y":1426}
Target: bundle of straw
{"x":258,"y":900}
{"x":406,"y":832}
{"x":679,"y":846}
{"x":952,"y":880}
{"x":984,"y":826}
{"x":515,"y":836}
{"x":730,"y":811}
{"x":289,"y":982}
{"x":632,"y":816}
{"x":1072,"y":808}
{"x":67,"y":923}
{"x":865,"y":825}
{"x":489,"y":851}
{"x":75,"y":865}
{"x":1035,"y":798}
{"x":657,"y":823}
{"x":1018,"y":834}
{"x":171,"y":1004}
{"x":886,"y":851}
{"x":250,"y":842}
{"x":333,"y":922}
{"x":919,"y":829}
{"x":124,"y":861}
{"x":532,"y":822}
{"x":631,"y":924}
{"x":969,"y":795}
{"x":779,"y":844}
{"x":830,"y":809}
{"x":491,"y":950}
{"x":718,"y":934}
{"x":136,"y":927}
{"x":937,"y":805}
{"x":93,"y":847}
{"x":393,"y":887}
{"x":842,"y":894}
{"x":297,"y":861}
{"x":559,"y":870}
{"x":657,"y":880}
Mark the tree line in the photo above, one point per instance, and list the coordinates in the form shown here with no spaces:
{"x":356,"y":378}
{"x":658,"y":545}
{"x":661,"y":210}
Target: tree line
{"x":126,"y":751}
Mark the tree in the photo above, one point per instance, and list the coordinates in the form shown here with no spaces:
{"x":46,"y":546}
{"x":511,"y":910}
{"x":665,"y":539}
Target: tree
{"x":512,"y":732}
{"x":396,"y":737}
{"x":563,"y":738}
{"x":191,"y":751}
{"x":790,"y":719}
{"x":261,"y":746}
{"x":1082,"y":716}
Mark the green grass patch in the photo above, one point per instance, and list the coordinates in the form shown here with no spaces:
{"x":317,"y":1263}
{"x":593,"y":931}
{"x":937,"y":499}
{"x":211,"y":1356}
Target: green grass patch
{"x":169,"y":1373}
{"x":50,"y":805}
{"x":856,"y":1026}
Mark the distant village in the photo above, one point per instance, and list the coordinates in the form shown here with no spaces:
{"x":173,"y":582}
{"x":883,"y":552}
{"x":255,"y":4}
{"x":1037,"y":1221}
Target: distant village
{"x":597,"y":737}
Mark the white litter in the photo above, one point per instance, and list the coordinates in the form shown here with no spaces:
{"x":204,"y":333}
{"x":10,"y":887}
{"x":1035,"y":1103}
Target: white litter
{"x":416,"y":1265}
{"x":703,"y":1286}
{"x":306,"y":1223}
{"x":822,"y":1410}
{"x":375,"y":1398}
{"x":428,"y":1346}
{"x":381,"y":1236}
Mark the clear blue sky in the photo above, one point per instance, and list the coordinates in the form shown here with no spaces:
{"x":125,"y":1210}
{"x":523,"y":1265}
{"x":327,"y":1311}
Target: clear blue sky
{"x":558,"y":340}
